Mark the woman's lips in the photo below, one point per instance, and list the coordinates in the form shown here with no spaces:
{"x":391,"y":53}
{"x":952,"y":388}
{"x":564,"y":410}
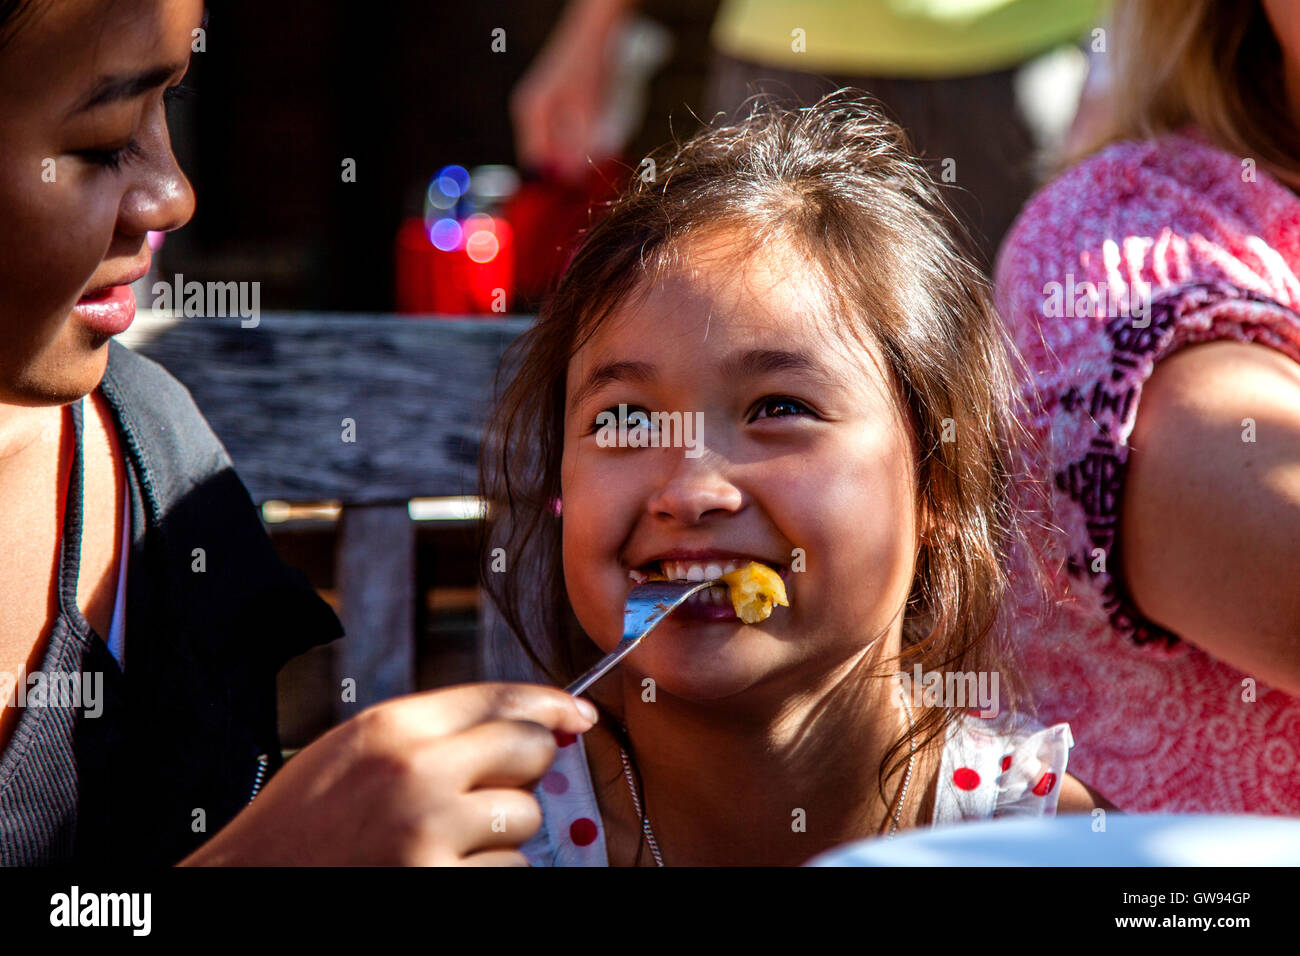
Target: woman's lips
{"x":107,"y":311}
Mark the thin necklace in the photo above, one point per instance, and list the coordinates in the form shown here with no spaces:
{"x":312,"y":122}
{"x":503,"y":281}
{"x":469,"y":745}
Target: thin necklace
{"x":907,"y":778}
{"x":650,"y":833}
{"x":636,"y":803}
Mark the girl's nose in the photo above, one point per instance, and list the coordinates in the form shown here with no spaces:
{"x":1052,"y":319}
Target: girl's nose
{"x":695,"y":491}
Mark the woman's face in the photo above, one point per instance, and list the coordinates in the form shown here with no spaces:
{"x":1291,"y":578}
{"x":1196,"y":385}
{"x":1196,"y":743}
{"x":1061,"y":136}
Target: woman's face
{"x":86,"y":170}
{"x":803,"y":447}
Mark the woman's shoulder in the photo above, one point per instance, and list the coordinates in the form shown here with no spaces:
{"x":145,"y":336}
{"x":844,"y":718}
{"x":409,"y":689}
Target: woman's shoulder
{"x":1166,"y":206}
{"x":1009,"y":765}
{"x":1135,"y":250}
{"x":159,"y":414}
{"x":1172,"y":170}
{"x":142,"y":375}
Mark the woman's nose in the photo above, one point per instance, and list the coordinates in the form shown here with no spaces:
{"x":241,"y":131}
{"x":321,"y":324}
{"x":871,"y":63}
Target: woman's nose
{"x":160,"y":199}
{"x":694,"y":491}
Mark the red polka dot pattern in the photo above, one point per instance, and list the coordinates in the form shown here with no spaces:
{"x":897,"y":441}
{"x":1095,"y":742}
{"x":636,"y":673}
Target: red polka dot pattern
{"x":555,"y":782}
{"x":583,"y":831}
{"x":965,"y":778}
{"x":1045,"y":785}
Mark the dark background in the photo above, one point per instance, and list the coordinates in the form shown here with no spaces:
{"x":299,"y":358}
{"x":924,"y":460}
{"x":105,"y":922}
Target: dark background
{"x":289,"y":88}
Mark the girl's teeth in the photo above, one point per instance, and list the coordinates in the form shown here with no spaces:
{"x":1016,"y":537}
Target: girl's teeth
{"x":695,"y":571}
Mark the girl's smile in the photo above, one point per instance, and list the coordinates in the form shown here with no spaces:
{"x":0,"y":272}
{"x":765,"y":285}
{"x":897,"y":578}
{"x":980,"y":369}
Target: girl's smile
{"x":715,"y":604}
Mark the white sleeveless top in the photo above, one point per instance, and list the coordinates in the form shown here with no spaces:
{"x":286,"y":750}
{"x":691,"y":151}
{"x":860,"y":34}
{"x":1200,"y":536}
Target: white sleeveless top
{"x":115,"y":639}
{"x":1004,"y":767}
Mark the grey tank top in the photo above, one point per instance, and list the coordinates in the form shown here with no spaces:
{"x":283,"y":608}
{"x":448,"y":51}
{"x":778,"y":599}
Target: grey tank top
{"x":71,"y":723}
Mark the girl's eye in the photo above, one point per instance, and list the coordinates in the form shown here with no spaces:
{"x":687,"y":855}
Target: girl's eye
{"x":112,"y":158}
{"x":779,"y":406}
{"x":634,"y":417}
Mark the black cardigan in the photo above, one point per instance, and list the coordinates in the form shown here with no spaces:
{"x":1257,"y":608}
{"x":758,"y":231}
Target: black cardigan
{"x":191,"y":723}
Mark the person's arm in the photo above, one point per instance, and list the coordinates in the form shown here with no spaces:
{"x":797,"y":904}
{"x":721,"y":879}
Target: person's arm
{"x":440,"y":778}
{"x":557,"y":104}
{"x":1210,"y":520}
{"x":1077,"y":797}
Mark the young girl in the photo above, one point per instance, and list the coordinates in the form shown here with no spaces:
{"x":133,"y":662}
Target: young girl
{"x":110,"y":480}
{"x":794,"y":285}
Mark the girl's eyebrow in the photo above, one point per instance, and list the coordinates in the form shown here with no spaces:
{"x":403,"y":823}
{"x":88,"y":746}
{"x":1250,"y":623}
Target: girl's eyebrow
{"x":609,"y":372}
{"x":111,"y":89}
{"x":740,"y":365}
{"x":755,"y":362}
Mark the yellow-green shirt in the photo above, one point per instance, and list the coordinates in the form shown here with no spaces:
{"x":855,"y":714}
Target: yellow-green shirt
{"x":905,"y":38}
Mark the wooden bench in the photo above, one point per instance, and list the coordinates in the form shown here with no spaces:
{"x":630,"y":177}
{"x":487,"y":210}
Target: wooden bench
{"x":366,"y":411}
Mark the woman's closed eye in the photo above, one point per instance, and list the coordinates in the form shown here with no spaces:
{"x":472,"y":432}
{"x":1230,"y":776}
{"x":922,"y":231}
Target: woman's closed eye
{"x":117,"y":157}
{"x":112,"y":158}
{"x":178,"y":92}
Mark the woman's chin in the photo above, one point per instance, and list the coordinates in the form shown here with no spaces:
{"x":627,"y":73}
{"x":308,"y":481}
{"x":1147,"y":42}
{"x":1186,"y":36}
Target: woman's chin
{"x":57,"y":382}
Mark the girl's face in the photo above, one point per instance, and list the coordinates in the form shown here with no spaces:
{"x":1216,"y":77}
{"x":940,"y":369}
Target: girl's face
{"x":86,"y":170}
{"x":803,"y":447}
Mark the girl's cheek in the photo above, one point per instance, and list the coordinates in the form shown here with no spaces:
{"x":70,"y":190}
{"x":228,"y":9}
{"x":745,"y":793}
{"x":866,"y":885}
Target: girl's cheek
{"x":588,"y":580}
{"x":856,"y":528}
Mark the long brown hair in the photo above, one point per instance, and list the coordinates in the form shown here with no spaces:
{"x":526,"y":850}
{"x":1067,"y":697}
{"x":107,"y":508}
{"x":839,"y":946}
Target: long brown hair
{"x":838,"y":180}
{"x":1216,"y":64}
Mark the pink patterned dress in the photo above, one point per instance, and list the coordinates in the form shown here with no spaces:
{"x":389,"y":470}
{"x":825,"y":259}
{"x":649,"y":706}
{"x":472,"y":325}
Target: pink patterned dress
{"x":1160,"y":724}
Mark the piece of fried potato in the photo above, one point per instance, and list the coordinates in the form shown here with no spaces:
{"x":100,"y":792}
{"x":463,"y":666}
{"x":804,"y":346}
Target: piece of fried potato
{"x":754,"y":589}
